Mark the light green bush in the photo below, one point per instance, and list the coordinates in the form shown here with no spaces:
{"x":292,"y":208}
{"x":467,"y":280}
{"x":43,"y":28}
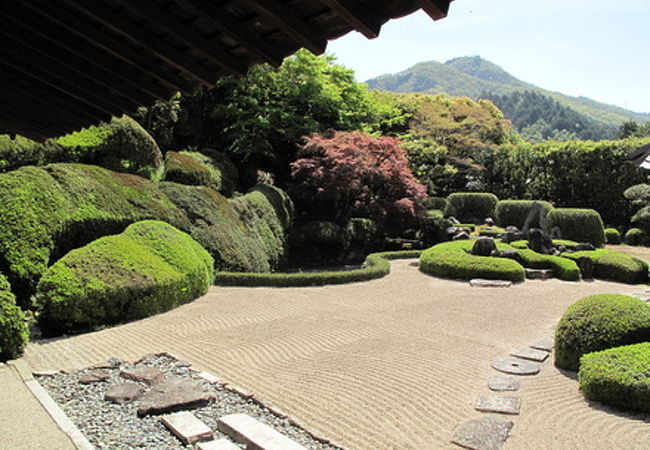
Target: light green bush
{"x":612,"y":236}
{"x":515,"y":212}
{"x":582,"y":225}
{"x":195,"y":168}
{"x":563,"y":268}
{"x":613,"y":265}
{"x":471,"y":205}
{"x":13,"y":329}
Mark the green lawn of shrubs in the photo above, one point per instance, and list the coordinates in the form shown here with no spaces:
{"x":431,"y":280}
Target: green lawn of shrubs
{"x":466,"y":206}
{"x":581,"y":225}
{"x":149,"y":268}
{"x":597,"y":323}
{"x":13,"y":329}
{"x":614,"y":266}
{"x":194,"y":168}
{"x":515,"y":212}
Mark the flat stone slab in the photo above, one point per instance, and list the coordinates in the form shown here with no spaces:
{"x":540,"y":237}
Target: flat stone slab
{"x":531,"y":354}
{"x":502,"y":383}
{"x":207,"y":376}
{"x":187,"y":427}
{"x":149,"y":375}
{"x":254,"y":434}
{"x":516,"y":366}
{"x":479,"y":282}
{"x":543,"y":344}
{"x":221,"y":444}
{"x":46,"y":373}
{"x":539,"y":274}
{"x":94,"y":377}
{"x":486,"y":433}
{"x":172,"y":396}
{"x":498,"y":404}
{"x":124,"y":393}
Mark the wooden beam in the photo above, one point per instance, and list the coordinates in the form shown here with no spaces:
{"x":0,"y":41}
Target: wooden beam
{"x":357,"y":15}
{"x":291,"y":24}
{"x":436,"y":9}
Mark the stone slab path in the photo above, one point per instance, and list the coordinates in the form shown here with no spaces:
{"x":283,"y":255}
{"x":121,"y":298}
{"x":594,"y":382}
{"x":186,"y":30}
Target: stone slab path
{"x":394,"y":363}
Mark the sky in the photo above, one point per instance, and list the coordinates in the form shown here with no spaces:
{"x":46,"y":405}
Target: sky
{"x":593,"y":48}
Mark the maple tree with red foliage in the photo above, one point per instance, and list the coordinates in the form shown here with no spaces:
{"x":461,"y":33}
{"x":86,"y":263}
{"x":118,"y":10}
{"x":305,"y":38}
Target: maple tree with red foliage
{"x":343,"y":175}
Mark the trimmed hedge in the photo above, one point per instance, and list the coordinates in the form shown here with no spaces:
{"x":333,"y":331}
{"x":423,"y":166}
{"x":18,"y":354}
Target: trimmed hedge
{"x":597,"y":323}
{"x":515,"y":212}
{"x":471,"y":205}
{"x":563,"y":268}
{"x":614,"y":266}
{"x":612,"y":236}
{"x":582,"y":225}
{"x":149,"y":268}
{"x":618,"y":377}
{"x":47,"y":211}
{"x":198,"y":169}
{"x":453,"y":260}
{"x":13,"y":329}
{"x":375,"y":266}
{"x":435,"y":203}
{"x":635,"y":236}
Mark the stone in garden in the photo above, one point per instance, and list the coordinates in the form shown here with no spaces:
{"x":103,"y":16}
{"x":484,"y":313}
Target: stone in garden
{"x":584,"y":246}
{"x":453,"y":220}
{"x":479,"y":282}
{"x":207,"y":376}
{"x":221,"y":444}
{"x":536,"y":218}
{"x":484,"y":246}
{"x":45,"y":373}
{"x":502,"y":383}
{"x":510,"y":254}
{"x":256,"y":435}
{"x":498,"y":404}
{"x":530,"y":354}
{"x":124,"y":393}
{"x":489,"y":221}
{"x":186,"y":427}
{"x":539,"y":274}
{"x":543,"y":344}
{"x":149,"y":375}
{"x":586,"y":266}
{"x":462,"y":236}
{"x":486,"y":433}
{"x":94,"y":377}
{"x":172,"y":396}
{"x":516,"y":366}
{"x":539,"y":242}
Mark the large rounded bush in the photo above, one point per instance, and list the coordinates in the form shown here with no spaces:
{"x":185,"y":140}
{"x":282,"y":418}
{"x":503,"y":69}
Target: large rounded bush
{"x":13,"y":329}
{"x":582,"y":225}
{"x":612,"y":236}
{"x":515,"y":212}
{"x":618,"y":377}
{"x":635,"y":236}
{"x":614,"y":266}
{"x":597,"y":323}
{"x":466,"y":206}
{"x":149,"y":268}
{"x":199,"y":169}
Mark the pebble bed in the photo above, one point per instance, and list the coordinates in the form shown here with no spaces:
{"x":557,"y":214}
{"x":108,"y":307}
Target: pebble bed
{"x":111,"y":426}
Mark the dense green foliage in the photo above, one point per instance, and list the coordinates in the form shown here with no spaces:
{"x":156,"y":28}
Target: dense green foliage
{"x":618,"y":377}
{"x":13,"y":329}
{"x":435,"y":203}
{"x":563,"y":268}
{"x":195,"y":168}
{"x":471,"y":206}
{"x":453,"y":260}
{"x":635,"y":236}
{"x":581,"y":225}
{"x":597,"y":323}
{"x":149,"y":268}
{"x":612,"y":236}
{"x":615,"y":266}
{"x":514,"y":212}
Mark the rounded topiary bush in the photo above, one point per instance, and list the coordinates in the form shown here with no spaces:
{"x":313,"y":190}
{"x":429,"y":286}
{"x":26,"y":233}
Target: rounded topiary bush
{"x":149,"y":268}
{"x":612,"y":236}
{"x":582,"y":225}
{"x":613,"y":265}
{"x":13,"y":329}
{"x":597,"y":323}
{"x":515,"y":212}
{"x":195,"y":168}
{"x":471,"y":206}
{"x":635,"y":236}
{"x":618,"y":377}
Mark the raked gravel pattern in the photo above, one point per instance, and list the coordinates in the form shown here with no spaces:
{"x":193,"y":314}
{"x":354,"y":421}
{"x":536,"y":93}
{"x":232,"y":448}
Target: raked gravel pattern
{"x":110,"y":426}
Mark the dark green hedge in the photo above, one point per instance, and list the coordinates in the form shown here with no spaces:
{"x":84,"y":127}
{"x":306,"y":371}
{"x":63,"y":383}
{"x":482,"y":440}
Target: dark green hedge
{"x":597,"y":323}
{"x":471,"y":205}
{"x":635,"y":236}
{"x":612,"y":236}
{"x":198,"y":169}
{"x":582,"y":225}
{"x":618,"y":377}
{"x":514,"y":212}
{"x":615,"y":266}
{"x":435,"y":203}
{"x":563,"y":268}
{"x":13,"y":329}
{"x":149,"y":268}
{"x":453,"y":260}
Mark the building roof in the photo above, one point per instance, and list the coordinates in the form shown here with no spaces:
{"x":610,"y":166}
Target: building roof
{"x":67,"y":64}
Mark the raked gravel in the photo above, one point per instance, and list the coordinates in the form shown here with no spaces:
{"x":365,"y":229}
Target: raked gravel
{"x":108,"y":425}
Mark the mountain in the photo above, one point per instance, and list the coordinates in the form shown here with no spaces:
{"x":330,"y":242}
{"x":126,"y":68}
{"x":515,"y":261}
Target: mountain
{"x":476,"y":77}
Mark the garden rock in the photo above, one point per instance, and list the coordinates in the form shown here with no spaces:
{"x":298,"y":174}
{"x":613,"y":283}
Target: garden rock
{"x":530,"y":354}
{"x":147,"y":375}
{"x":94,"y":377}
{"x":484,"y":246}
{"x":586,"y":266}
{"x":498,"y":404}
{"x":463,"y":235}
{"x":478,"y":282}
{"x":486,"y":433}
{"x":172,"y":396}
{"x":543,"y":344}
{"x":124,"y":393}
{"x":502,"y":383}
{"x":539,"y":242}
{"x":584,"y":246}
{"x":489,"y":221}
{"x":516,"y":366}
{"x":539,"y":274}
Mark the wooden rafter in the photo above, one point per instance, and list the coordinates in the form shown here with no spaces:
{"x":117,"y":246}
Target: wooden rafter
{"x":436,"y":9}
{"x":357,"y":15}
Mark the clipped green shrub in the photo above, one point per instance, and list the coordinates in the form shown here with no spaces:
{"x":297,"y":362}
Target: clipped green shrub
{"x":566,"y":243}
{"x":612,"y":236}
{"x":149,"y":268}
{"x":18,"y":152}
{"x":582,"y":225}
{"x":47,"y":211}
{"x":195,"y":168}
{"x":515,"y":212}
{"x":614,"y":266}
{"x":453,"y":260}
{"x":13,"y":329}
{"x":563,"y":268}
{"x":523,"y":244}
{"x":641,"y":219}
{"x":468,"y":206}
{"x":635,"y":236}
{"x":435,"y":203}
{"x":434,"y":230}
{"x":618,"y":377}
{"x":597,"y":323}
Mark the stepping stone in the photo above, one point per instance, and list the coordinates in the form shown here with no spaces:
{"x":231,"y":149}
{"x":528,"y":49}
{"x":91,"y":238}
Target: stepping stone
{"x":173,"y":396}
{"x":486,"y":433}
{"x":479,"y":282}
{"x":254,"y":434}
{"x":147,"y":375}
{"x":187,"y":427}
{"x":112,"y":363}
{"x":516,"y":366}
{"x":124,"y":393}
{"x":539,"y":274}
{"x":501,"y":383}
{"x":46,"y":373}
{"x":207,"y":376}
{"x":530,"y":354}
{"x":543,"y":344}
{"x":498,"y":404}
{"x":221,"y":444}
{"x":94,"y":377}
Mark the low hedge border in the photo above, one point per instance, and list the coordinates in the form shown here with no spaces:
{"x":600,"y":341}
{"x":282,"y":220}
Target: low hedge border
{"x":563,"y":268}
{"x":375,"y":266}
{"x":614,"y":266}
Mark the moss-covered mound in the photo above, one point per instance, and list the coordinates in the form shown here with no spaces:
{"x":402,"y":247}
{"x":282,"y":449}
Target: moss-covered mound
{"x":563,"y":268}
{"x":46,"y":211}
{"x":635,"y":236}
{"x":612,"y":236}
{"x":149,"y":268}
{"x":515,"y":212}
{"x":198,"y":169}
{"x":13,"y":329}
{"x":597,"y":323}
{"x":582,"y":225}
{"x":471,"y":206}
{"x":453,"y":260}
{"x":618,"y":377}
{"x":614,"y":266}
